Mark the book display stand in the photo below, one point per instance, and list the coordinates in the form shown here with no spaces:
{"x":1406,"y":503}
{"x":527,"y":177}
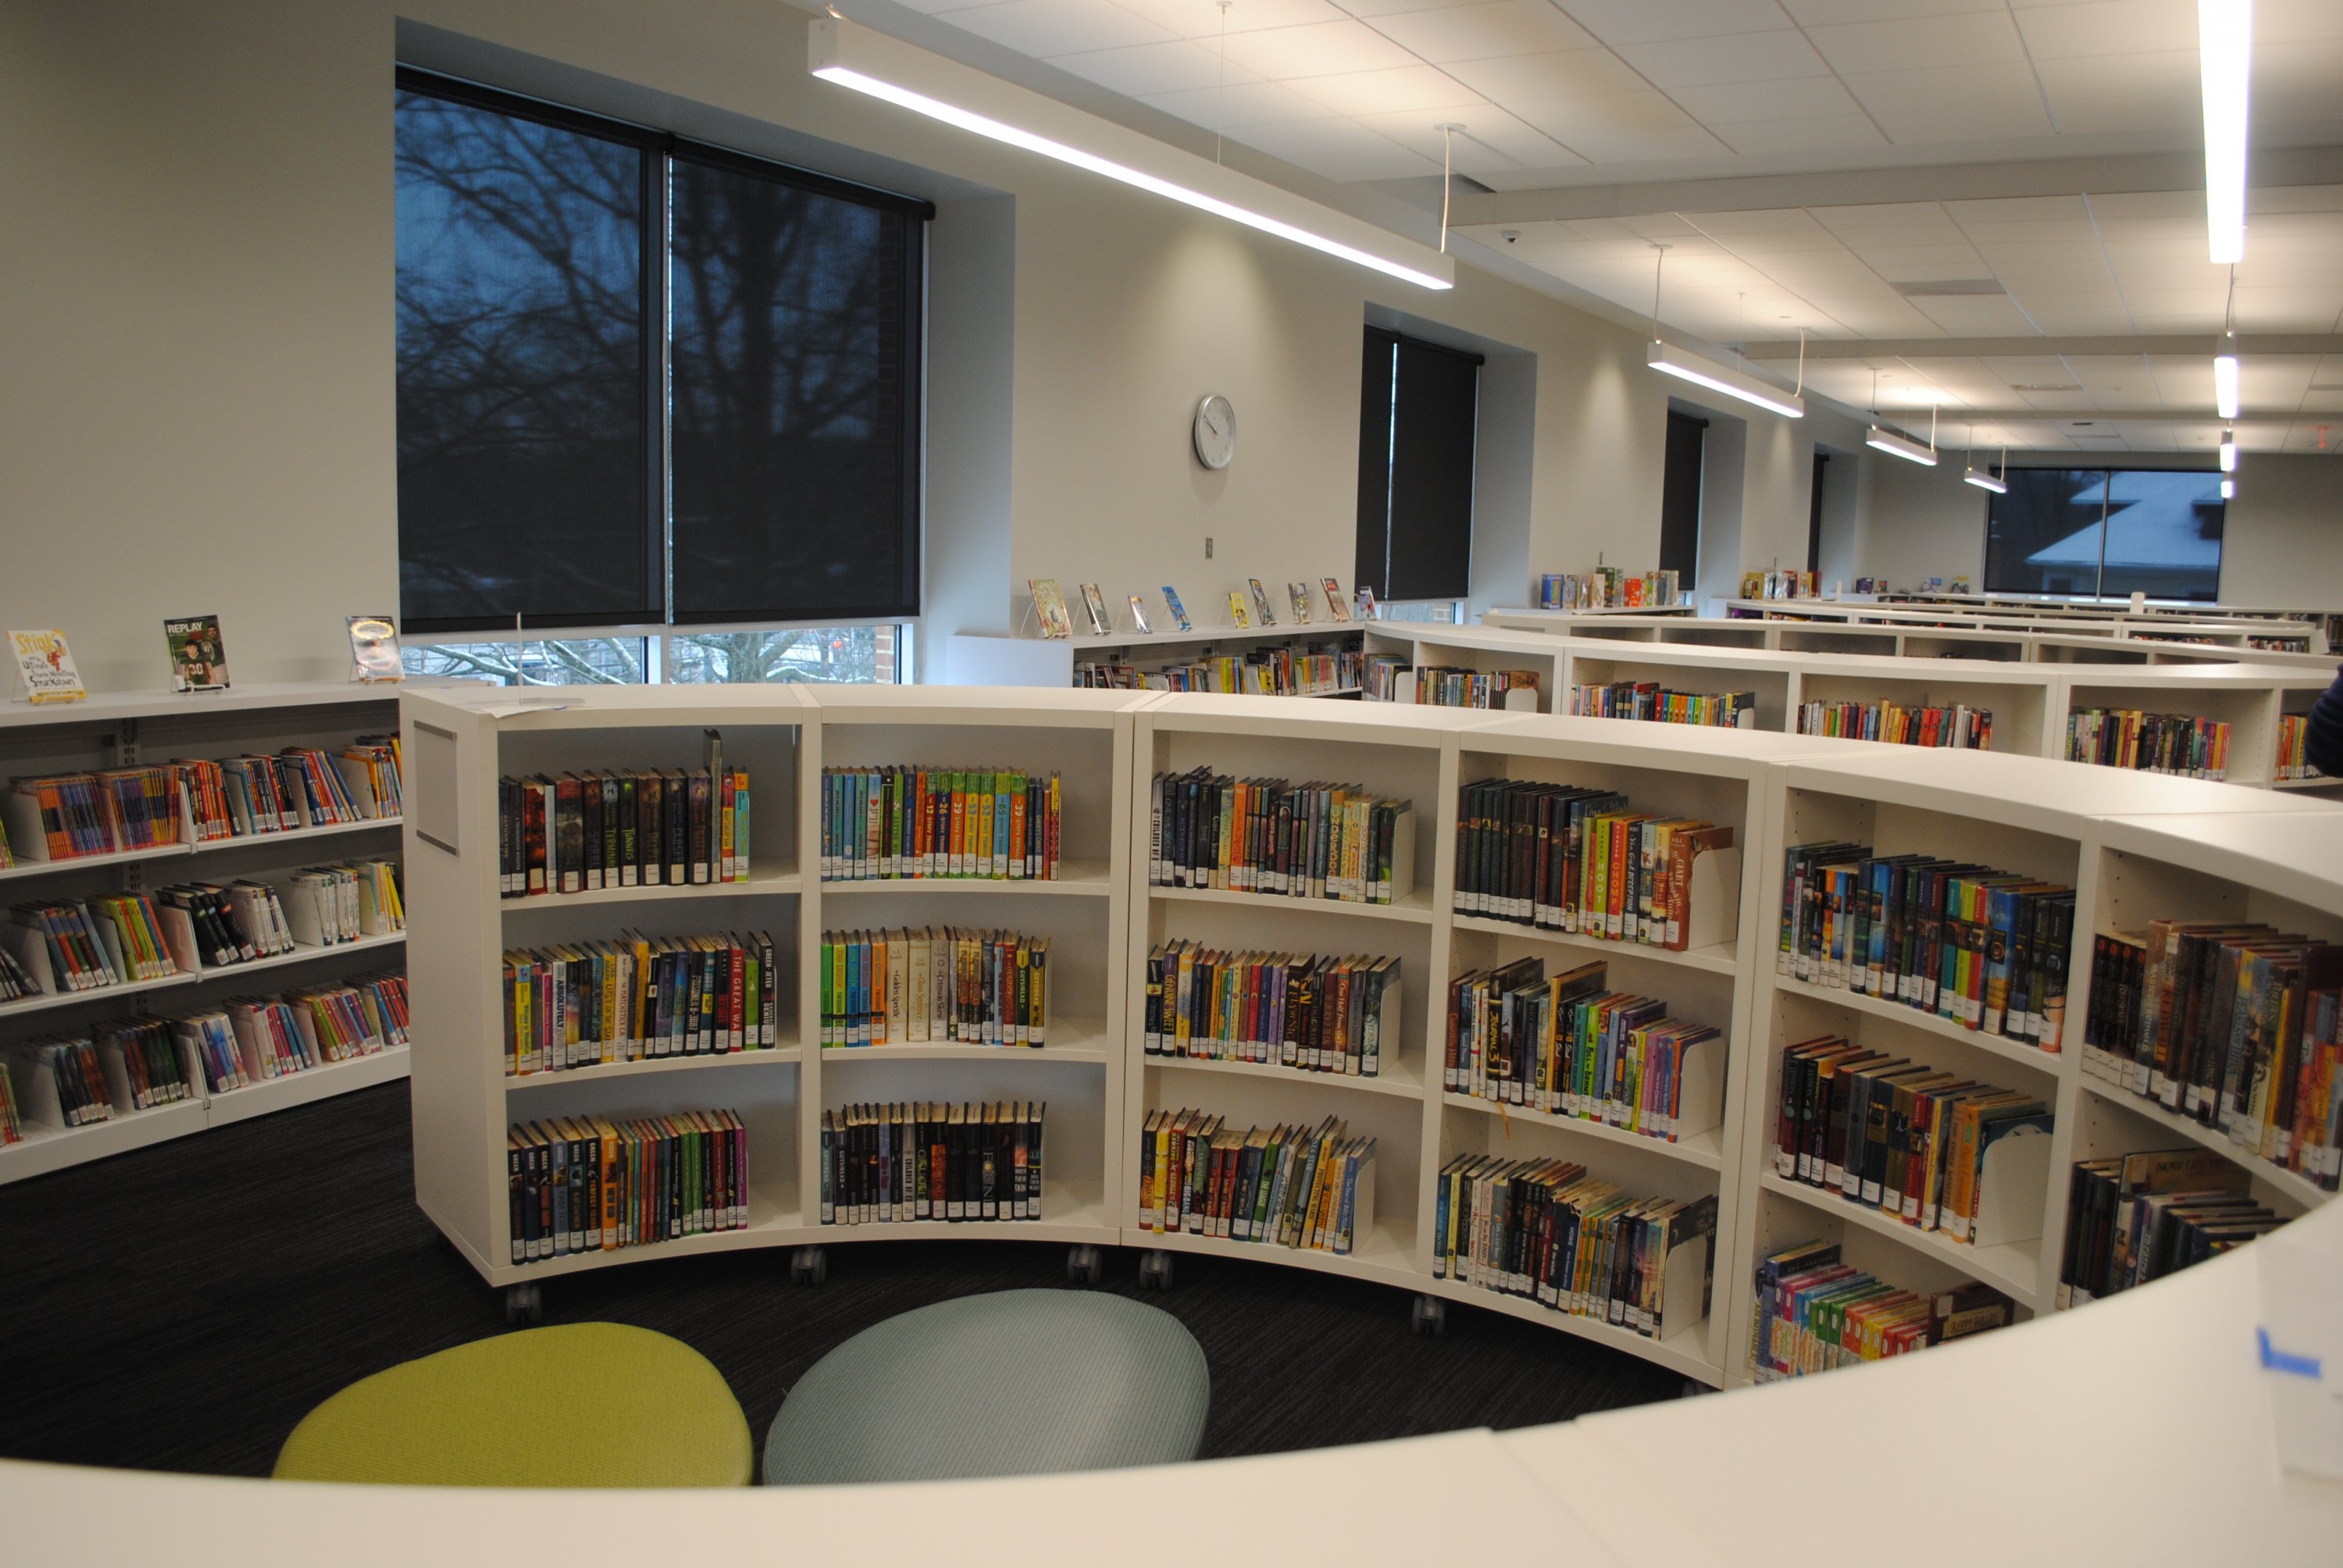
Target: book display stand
{"x":2130,"y":843}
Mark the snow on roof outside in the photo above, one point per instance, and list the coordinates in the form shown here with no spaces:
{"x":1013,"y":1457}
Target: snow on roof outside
{"x":2155,"y":519}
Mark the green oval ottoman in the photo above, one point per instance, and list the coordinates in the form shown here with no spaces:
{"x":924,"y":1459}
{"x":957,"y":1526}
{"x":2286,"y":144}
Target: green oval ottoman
{"x":583,"y":1404}
{"x":1017,"y":1382}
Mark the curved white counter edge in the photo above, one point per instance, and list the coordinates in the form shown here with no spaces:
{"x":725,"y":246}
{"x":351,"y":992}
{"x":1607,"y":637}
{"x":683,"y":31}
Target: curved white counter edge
{"x":2137,"y":1432}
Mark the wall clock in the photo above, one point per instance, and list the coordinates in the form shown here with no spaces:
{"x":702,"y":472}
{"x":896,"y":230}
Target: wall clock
{"x":1215,"y":431}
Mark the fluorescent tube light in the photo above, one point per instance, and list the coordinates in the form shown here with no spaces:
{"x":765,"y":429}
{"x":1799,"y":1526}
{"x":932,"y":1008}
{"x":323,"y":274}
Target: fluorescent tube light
{"x":1985,"y":479}
{"x":888,"y":68}
{"x":2228,"y":453}
{"x":2228,"y":489}
{"x":2224,"y":55}
{"x":1725,"y":379}
{"x":1902,"y":447}
{"x":2225,"y":384}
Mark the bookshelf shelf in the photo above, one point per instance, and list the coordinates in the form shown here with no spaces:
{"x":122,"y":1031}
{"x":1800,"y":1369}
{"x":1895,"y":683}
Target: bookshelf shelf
{"x":763,"y":1057}
{"x":2013,"y":1267}
{"x":1075,"y":880}
{"x":1702,"y":1149}
{"x":1719,"y":958}
{"x":2007,"y":1050}
{"x":772,"y":1221}
{"x":1679,"y":1352}
{"x":1395,"y":1080}
{"x":302,"y":953}
{"x":1072,"y":1210}
{"x":31,"y":868}
{"x":51,"y":1002}
{"x":298,"y":835}
{"x":1086,"y":1047}
{"x":770,"y":881}
{"x":2298,"y":1190}
{"x":1415,"y":909}
{"x":385,"y":1065}
{"x":45,"y":1147}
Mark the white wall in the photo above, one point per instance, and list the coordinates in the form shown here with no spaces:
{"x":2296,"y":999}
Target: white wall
{"x":2282,"y":545}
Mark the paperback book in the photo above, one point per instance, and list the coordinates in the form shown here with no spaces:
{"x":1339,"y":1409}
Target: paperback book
{"x":904,"y":1163}
{"x":894,"y":822}
{"x":1312,"y":1013}
{"x":1305,"y":1188}
{"x":198,"y":655}
{"x":46,"y":666}
{"x":593,"y":1183}
{"x":1265,"y":836}
{"x":638,"y":998}
{"x":934,"y":984}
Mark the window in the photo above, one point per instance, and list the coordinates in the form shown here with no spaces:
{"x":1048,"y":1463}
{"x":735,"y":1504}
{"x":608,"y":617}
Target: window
{"x":2110,"y":533}
{"x":645,"y":383}
{"x":826,"y":654}
{"x":1680,"y":484}
{"x":1418,"y":408}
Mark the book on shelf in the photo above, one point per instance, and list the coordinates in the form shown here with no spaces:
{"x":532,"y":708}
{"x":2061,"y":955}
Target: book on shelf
{"x":1392,"y":679}
{"x":939,"y":984}
{"x":2178,"y":743}
{"x":198,"y":654}
{"x":12,"y":1115}
{"x":1237,"y":616}
{"x":1138,"y":617}
{"x":645,"y":828}
{"x":897,"y":1164}
{"x":1179,"y":612}
{"x":894,"y":822}
{"x":2293,"y":761}
{"x":1955,"y":725}
{"x":1260,"y":602}
{"x":80,"y":945}
{"x":1264,"y":836}
{"x":1980,"y":948}
{"x":1319,"y":669}
{"x":1815,"y":1313}
{"x":1606,"y":588}
{"x":1297,"y":597}
{"x":1914,"y":1142}
{"x":253,"y":1039}
{"x":1567,"y":1045}
{"x":116,"y":1070}
{"x":1338,"y":608}
{"x":1649,"y":700}
{"x":253,"y":795}
{"x":2232,"y":1024}
{"x":374,"y":649}
{"x":1579,"y":859}
{"x":1311,"y":1012}
{"x":2133,"y":1217}
{"x":67,"y":815}
{"x":1545,"y":1230}
{"x":1094,"y":610}
{"x":1306,"y":1189}
{"x":591,"y":1183}
{"x":1049,"y":608}
{"x":637,"y":998}
{"x":46,"y":666}
{"x":1781,"y":585}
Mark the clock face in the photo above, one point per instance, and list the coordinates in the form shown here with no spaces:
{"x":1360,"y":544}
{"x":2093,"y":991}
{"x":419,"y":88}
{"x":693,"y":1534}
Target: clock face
{"x":1215,"y":431}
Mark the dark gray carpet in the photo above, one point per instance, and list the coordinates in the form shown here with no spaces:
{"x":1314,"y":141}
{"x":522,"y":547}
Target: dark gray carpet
{"x":181,"y":1307}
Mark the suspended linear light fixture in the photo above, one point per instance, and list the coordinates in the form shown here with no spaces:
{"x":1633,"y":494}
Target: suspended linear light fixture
{"x":2228,"y":488}
{"x":2225,"y":58}
{"x":1986,"y":479}
{"x":2229,"y":451}
{"x":1714,"y":375}
{"x":1900,"y":445}
{"x":887,"y":68}
{"x":2225,"y":362}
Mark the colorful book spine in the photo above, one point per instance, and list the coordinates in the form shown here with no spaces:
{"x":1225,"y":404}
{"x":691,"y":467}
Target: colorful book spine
{"x":933,"y":984}
{"x":1265,"y":836}
{"x":1300,"y":1187}
{"x":898,"y":822}
{"x":1312,"y":1013}
{"x":592,"y":1183}
{"x":634,"y":998}
{"x":901,"y":1164}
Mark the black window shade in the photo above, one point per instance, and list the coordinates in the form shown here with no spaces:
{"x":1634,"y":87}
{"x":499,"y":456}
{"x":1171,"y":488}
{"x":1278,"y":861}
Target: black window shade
{"x":1418,"y":410}
{"x":1680,"y":482}
{"x":2109,"y":532}
{"x":550,"y":475}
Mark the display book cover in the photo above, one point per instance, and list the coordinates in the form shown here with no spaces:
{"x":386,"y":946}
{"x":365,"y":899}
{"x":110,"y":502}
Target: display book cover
{"x":45,"y":665}
{"x":1049,"y":607}
{"x":198,"y":655}
{"x":374,"y":648}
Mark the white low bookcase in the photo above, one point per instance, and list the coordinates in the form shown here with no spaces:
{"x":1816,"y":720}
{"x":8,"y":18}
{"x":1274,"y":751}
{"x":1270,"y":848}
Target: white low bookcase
{"x":2128,"y":842}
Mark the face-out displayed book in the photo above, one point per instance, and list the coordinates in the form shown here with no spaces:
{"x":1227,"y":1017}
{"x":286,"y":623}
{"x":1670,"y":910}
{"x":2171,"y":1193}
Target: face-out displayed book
{"x":198,"y":656}
{"x":1094,"y":606}
{"x":1336,"y":606}
{"x":1049,"y":607}
{"x":46,"y":667}
{"x":374,"y":648}
{"x":1179,"y":612}
{"x":1260,"y":602}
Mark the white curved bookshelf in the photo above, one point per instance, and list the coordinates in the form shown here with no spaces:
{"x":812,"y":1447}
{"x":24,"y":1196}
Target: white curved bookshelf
{"x":2124,"y":841}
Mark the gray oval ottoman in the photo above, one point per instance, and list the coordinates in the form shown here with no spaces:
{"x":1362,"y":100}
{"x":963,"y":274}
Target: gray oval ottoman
{"x":1018,"y":1382}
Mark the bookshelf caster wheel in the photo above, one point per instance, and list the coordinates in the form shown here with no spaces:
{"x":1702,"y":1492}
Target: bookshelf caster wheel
{"x":1155,"y":1270}
{"x":1429,"y":1320}
{"x":808,"y":1266}
{"x":524,"y":1306}
{"x":1085,"y":1266}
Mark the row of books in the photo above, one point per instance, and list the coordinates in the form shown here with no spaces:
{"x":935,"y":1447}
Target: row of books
{"x":91,"y":944}
{"x":934,"y":983}
{"x":252,"y":1039}
{"x":1392,"y":679}
{"x":2277,"y":644}
{"x":899,"y":1163}
{"x":84,"y":1071}
{"x":582,"y":833}
{"x":634,"y":998}
{"x":588,"y":1184}
{"x":1815,"y":1313}
{"x":1570,"y":858}
{"x":890,"y":822}
{"x":2139,"y":1217}
{"x":2293,"y":735}
{"x":2179,"y":743}
{"x":69,"y":816}
{"x":1317,"y":670}
{"x":1781,"y":584}
{"x":1570,"y":1046}
{"x":2234,"y":1024}
{"x":1647,"y":700}
{"x":327,"y":906}
{"x":1955,"y":725}
{"x":1894,"y":1135}
{"x":1606,"y":588}
{"x":1975,"y":945}
{"x":1314,"y":840}
{"x":1545,"y":1230}
{"x":1308,"y":1189}
{"x":1311,"y":1012}
{"x":12,"y":1119}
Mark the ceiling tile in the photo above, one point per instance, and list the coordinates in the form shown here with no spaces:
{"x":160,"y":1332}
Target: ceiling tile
{"x":1201,"y":19}
{"x":1484,"y":31}
{"x":1153,"y":68}
{"x":1825,"y":13}
{"x":1493,"y":140}
{"x":1046,"y":27}
{"x":1567,"y":74}
{"x":2098,"y":29}
{"x":1975,"y":38}
{"x":1879,"y":215}
{"x":2145,"y":205}
{"x":1325,"y":49}
{"x":2123,"y":92}
{"x":1251,"y":103}
{"x":1565,"y":119}
{"x":1764,"y":221}
{"x":1780,"y":55}
{"x":2296,"y":21}
{"x":1630,"y":144}
{"x":1338,"y":149}
{"x":1650,"y":21}
{"x":1740,"y":102}
{"x":1406,"y":90}
{"x":1979,"y":316}
{"x":1953,"y":103}
{"x":2020,"y":209}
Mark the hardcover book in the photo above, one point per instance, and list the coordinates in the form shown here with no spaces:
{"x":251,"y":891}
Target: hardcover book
{"x":1049,"y":606}
{"x":47,"y":666}
{"x":198,"y":657}
{"x":1179,"y":612}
